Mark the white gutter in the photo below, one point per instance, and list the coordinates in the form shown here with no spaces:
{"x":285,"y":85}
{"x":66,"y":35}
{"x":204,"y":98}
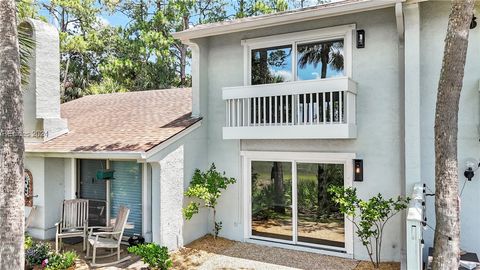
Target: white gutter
{"x":283,"y":18}
{"x":88,"y":155}
{"x":399,"y":20}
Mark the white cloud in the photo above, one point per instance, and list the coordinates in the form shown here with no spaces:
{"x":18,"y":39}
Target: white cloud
{"x":286,"y":75}
{"x":317,"y":76}
{"x":102,"y":21}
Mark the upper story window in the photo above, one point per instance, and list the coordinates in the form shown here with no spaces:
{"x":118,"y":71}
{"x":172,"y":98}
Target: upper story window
{"x":320,"y":60}
{"x":308,"y":55}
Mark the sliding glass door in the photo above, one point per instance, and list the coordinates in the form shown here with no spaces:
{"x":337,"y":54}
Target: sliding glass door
{"x":272,"y":200}
{"x":289,"y":202}
{"x":319,"y":220}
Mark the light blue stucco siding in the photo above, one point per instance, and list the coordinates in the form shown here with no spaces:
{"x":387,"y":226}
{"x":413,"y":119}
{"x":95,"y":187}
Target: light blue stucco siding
{"x":376,"y":70}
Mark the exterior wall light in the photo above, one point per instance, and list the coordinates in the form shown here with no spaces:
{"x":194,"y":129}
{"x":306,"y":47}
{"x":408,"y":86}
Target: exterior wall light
{"x":360,"y":39}
{"x":473,"y":23}
{"x":358,"y":170}
{"x":471,"y":165}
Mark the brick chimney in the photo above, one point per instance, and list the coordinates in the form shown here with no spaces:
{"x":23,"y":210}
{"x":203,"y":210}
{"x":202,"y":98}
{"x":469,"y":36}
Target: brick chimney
{"x":41,"y":97}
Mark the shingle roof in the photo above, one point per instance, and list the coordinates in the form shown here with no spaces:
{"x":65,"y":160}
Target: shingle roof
{"x":132,"y":121}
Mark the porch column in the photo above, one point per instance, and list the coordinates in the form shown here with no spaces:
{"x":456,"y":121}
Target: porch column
{"x":156,"y":236}
{"x":167,"y":199}
{"x":70,"y":178}
{"x":412,"y":96}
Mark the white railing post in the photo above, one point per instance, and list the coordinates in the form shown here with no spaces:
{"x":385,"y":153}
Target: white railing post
{"x":350,"y":107}
{"x":414,"y":228}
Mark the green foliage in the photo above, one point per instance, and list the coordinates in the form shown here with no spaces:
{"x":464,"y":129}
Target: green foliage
{"x":106,"y":86}
{"x":155,"y":256}
{"x":206,"y":186}
{"x":38,"y":252}
{"x":373,"y":214}
{"x":28,"y":243}
{"x":218,"y":227}
{"x":60,"y":261}
{"x":139,"y":55}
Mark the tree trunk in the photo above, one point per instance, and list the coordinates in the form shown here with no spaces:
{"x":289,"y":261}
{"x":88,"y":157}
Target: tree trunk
{"x":325,"y":58}
{"x":277,"y":177}
{"x":447,"y":231}
{"x":323,"y":201}
{"x":11,"y":142}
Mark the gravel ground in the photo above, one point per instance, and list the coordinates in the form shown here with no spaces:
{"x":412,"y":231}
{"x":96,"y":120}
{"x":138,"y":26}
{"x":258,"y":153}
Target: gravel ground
{"x":222,"y":254}
{"x":206,"y":253}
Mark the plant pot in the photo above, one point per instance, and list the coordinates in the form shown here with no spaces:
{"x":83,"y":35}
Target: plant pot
{"x":105,"y":174}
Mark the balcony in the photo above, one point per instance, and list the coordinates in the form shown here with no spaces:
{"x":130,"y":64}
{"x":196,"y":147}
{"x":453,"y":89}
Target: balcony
{"x":316,"y":109}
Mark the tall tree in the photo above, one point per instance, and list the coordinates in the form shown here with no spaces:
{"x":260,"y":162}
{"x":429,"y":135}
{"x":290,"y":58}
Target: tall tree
{"x":447,"y":208}
{"x":11,"y":142}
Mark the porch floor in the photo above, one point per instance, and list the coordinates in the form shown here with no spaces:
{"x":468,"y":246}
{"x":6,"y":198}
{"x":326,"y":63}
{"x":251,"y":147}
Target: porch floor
{"x":207,"y":254}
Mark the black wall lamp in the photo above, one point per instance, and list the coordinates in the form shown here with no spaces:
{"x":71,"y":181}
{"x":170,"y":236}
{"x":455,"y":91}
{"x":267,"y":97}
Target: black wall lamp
{"x":360,"y":39}
{"x":358,"y":170}
{"x":473,"y":23}
{"x":471,"y":165}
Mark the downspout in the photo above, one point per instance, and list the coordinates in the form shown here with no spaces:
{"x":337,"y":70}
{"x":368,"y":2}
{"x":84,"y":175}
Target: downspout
{"x":195,"y":73}
{"x":401,"y":86}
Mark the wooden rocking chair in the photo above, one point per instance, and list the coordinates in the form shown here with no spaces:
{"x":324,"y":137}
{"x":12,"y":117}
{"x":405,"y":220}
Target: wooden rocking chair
{"x":109,"y":238}
{"x":74,"y":222}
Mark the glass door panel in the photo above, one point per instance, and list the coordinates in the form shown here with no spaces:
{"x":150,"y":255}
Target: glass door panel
{"x":319,"y":221}
{"x":271,"y":195}
{"x":126,"y":190}
{"x":94,"y":190}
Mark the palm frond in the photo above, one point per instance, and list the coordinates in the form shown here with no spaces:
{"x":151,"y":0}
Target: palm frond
{"x":27,"y":45}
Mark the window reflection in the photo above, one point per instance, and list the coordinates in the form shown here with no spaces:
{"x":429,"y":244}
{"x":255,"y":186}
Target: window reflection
{"x":320,"y":60}
{"x":271,"y":65}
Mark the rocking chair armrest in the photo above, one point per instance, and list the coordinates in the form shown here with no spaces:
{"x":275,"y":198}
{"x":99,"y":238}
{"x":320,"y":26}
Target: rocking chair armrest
{"x":100,"y":228}
{"x":103,"y":228}
{"x":105,"y":233}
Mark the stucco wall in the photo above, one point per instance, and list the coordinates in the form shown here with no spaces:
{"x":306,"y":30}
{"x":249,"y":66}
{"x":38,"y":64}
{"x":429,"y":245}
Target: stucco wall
{"x":172,"y":170}
{"x":375,"y":69}
{"x":36,"y":165}
{"x":434,"y":16}
{"x":48,"y":185}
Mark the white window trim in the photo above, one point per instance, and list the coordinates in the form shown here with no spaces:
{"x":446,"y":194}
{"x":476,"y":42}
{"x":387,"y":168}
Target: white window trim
{"x":295,"y":157}
{"x":293,"y":39}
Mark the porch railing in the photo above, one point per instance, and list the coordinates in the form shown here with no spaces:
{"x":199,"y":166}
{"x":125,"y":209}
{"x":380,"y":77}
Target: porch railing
{"x":300,"y":103}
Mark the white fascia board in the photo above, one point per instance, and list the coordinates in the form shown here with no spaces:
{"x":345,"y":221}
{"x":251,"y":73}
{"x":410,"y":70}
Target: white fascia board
{"x":89,"y":155}
{"x":171,"y":140}
{"x":281,"y":19}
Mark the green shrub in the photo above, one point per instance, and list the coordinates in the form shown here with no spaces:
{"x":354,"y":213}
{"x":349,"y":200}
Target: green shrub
{"x":28,"y":243}
{"x":373,"y":214}
{"x":38,"y":252}
{"x":154,"y":255}
{"x":60,"y":261}
{"x":206,"y":186}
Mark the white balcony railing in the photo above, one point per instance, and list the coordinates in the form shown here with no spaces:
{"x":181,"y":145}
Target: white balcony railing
{"x":300,"y":109}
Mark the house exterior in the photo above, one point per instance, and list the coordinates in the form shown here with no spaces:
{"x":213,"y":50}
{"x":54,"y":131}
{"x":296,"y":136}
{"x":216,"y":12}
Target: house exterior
{"x":285,"y":103}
